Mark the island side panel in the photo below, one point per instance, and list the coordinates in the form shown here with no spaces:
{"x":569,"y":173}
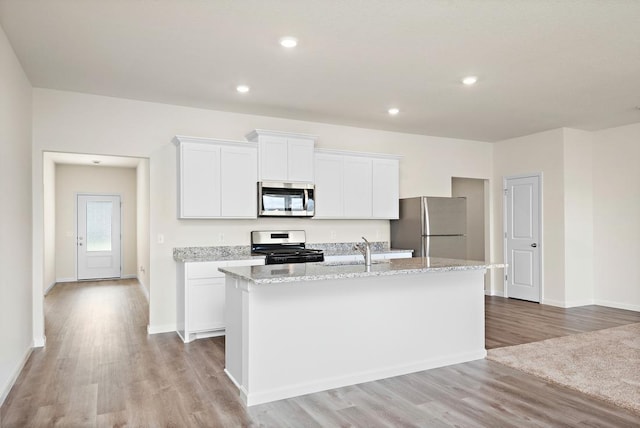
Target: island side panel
{"x":311,"y":336}
{"x":234,"y":330}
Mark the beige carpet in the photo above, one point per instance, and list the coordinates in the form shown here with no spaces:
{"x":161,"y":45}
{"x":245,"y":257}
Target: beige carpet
{"x":604,"y":364}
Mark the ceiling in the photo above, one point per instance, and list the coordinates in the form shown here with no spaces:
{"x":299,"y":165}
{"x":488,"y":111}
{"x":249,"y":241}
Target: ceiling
{"x":541,"y":64}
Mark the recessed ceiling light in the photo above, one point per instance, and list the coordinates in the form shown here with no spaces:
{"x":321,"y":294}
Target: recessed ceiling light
{"x":243,"y":89}
{"x":470,"y":80}
{"x":289,"y":42}
{"x":393,"y":111}
{"x":96,"y":162}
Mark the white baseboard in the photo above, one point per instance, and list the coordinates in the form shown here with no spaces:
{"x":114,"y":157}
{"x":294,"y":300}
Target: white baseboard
{"x":551,"y":302}
{"x":323,"y":384}
{"x":156,"y":329}
{"x":39,"y":342}
{"x":617,"y":305}
{"x":577,"y":303}
{"x":494,"y":293}
{"x":74,"y":279}
{"x":7,"y":388}
{"x":130,"y":276}
{"x":48,"y":289}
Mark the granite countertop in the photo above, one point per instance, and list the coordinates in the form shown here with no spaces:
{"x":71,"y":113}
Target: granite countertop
{"x":277,"y":274}
{"x":213,"y":254}
{"x":243,"y":252}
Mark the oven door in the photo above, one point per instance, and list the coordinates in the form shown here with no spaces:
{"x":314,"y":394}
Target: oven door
{"x":286,"y":199}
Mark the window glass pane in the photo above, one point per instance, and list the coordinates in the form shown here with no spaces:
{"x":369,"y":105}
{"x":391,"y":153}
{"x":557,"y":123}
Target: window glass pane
{"x":99,"y":225}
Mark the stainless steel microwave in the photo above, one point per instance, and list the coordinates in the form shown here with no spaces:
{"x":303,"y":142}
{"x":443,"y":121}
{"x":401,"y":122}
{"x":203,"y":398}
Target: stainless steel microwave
{"x":286,"y":199}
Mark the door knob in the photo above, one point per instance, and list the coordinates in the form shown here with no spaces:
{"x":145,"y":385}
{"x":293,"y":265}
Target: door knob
{"x":534,"y":245}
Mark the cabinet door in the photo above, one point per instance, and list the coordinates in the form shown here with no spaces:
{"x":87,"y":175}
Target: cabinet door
{"x":386,"y":184}
{"x":300,"y":159}
{"x":206,"y":304}
{"x":328,"y":180}
{"x":357,"y":187}
{"x":273,"y":158}
{"x":199,"y":180}
{"x":239,"y":182}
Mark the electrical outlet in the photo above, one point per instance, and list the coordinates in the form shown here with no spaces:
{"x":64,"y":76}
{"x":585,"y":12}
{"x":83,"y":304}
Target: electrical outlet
{"x":160,"y":238}
{"x":332,"y":234}
{"x":221,"y":237}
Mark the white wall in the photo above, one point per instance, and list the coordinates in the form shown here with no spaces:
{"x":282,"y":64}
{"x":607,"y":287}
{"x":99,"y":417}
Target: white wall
{"x":142,"y":223}
{"x":616,"y":216}
{"x":591,"y":188}
{"x":74,"y":179}
{"x":542,"y":152}
{"x":81,"y":123}
{"x":16,"y":298}
{"x":473,"y":189}
{"x":578,"y":217}
{"x":49,"y":207}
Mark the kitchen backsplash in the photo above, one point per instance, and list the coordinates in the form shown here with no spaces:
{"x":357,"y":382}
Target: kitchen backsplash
{"x":347,"y":247}
{"x":225,"y":252}
{"x":244,"y":251}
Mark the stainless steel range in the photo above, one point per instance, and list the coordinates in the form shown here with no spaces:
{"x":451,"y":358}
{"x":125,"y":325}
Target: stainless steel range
{"x":283,"y":246}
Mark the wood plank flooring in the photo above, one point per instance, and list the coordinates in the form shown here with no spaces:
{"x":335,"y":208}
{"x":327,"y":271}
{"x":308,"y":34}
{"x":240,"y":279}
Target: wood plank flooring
{"x":101,"y":369}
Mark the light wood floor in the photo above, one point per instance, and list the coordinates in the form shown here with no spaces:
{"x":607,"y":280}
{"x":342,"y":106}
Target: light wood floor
{"x":100,"y":368}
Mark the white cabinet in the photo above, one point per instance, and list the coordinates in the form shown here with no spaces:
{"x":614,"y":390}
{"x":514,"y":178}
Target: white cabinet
{"x":200,"y":297}
{"x":216,"y":178}
{"x":199,"y":180}
{"x":386,"y":185}
{"x":329,"y":180}
{"x":356,"y":185}
{"x":284,"y":156}
{"x":238,"y":196}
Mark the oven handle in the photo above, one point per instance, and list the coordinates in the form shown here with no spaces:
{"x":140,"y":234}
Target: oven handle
{"x":306,"y":199}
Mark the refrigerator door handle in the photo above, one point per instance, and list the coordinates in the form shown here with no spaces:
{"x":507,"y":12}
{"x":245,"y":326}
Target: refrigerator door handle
{"x":425,"y":218}
{"x":427,"y":250}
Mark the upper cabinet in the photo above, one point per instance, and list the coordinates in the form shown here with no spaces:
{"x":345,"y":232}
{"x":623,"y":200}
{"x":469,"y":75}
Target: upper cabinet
{"x":385,"y":175}
{"x":216,"y":178}
{"x":356,"y":185}
{"x":284,"y":156}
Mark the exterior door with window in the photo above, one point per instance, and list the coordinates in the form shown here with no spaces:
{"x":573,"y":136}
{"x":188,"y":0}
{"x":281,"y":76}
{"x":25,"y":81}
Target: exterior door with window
{"x":98,"y":236}
{"x":522,"y":237}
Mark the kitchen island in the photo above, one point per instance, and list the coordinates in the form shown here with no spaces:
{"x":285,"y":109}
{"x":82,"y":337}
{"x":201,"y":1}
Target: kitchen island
{"x":301,"y":328}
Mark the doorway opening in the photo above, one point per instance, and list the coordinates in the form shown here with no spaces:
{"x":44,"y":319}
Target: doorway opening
{"x":476,"y":190}
{"x":101,"y":202}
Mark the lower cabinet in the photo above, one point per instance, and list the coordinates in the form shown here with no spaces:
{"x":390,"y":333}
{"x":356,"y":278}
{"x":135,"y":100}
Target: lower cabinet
{"x":200,"y":298}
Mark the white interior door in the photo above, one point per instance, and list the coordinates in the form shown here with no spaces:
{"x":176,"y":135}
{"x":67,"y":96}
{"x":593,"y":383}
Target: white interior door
{"x":98,"y":236}
{"x":522,"y":238}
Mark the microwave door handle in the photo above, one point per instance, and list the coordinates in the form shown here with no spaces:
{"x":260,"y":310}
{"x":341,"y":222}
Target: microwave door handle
{"x":306,"y":199}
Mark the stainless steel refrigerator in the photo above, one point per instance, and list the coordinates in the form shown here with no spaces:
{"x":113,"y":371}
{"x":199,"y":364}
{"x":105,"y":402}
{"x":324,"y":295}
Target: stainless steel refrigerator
{"x":432,"y":227}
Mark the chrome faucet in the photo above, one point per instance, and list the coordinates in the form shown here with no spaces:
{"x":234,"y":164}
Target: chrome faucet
{"x":365,"y":249}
